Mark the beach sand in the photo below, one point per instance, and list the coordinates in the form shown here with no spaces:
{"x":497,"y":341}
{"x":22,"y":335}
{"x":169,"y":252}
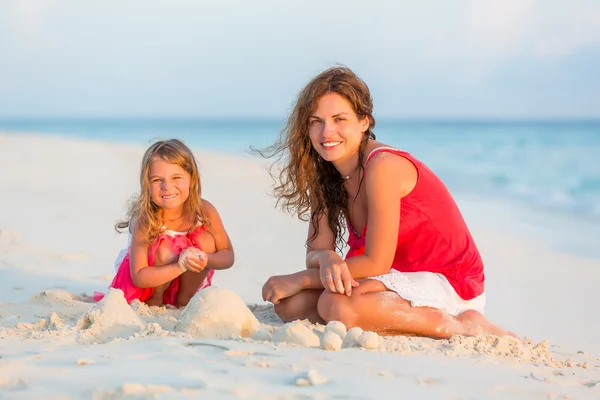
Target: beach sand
{"x":60,"y":199}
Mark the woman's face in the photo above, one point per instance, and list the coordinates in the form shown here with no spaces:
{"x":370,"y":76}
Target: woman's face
{"x":334,"y":128}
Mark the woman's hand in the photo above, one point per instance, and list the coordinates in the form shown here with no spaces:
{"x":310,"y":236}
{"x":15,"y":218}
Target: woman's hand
{"x":335,"y":275}
{"x":280,"y":287}
{"x":192,"y":259}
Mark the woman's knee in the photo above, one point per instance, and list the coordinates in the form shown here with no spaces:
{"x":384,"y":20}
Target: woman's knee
{"x":338,"y":307}
{"x":298,"y":306}
{"x":285,"y":311}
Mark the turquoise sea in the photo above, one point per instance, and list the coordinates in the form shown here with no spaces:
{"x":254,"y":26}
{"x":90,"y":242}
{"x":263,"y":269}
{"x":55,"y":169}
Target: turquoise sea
{"x":551,"y":168}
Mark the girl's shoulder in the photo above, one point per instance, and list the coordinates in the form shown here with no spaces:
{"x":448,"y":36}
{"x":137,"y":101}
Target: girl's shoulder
{"x":135,"y":226}
{"x":208,"y":208}
{"x":207,"y":205}
{"x":209,"y":212}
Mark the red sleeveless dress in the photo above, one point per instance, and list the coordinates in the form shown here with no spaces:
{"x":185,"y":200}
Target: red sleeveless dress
{"x":433,"y":236}
{"x":176,"y":242}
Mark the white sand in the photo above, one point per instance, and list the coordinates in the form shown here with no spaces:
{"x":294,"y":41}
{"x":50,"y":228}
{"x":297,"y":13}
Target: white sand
{"x":60,"y":199}
{"x":217,"y":312}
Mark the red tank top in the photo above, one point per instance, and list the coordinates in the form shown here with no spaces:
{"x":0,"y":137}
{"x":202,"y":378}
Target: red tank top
{"x":433,"y":235}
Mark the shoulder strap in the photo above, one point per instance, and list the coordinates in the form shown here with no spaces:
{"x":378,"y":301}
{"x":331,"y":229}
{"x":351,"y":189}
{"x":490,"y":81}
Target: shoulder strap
{"x":380,"y":149}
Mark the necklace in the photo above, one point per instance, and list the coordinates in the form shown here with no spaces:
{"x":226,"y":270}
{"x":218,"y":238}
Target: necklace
{"x":346,"y":177}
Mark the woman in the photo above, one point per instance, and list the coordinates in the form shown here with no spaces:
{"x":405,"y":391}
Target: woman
{"x":412,"y":267}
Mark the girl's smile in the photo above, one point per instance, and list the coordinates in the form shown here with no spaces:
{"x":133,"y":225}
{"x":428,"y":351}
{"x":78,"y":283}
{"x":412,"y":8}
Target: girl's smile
{"x":169,"y":184}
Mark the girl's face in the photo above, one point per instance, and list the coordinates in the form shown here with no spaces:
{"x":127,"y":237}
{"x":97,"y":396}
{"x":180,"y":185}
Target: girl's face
{"x":169,"y":184}
{"x":334,"y":128}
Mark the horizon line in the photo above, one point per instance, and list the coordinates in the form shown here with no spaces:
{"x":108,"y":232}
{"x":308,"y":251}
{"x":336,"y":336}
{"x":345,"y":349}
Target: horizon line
{"x":241,"y":118}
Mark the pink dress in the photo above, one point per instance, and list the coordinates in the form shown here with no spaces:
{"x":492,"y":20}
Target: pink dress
{"x":176,"y":242}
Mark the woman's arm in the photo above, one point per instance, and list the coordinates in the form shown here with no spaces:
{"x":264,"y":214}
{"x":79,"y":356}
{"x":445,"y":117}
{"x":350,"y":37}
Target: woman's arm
{"x":141,"y":274}
{"x":389,"y":178}
{"x":331,"y":270}
{"x":224,"y":256}
{"x":282,"y":286}
{"x":322,"y":245}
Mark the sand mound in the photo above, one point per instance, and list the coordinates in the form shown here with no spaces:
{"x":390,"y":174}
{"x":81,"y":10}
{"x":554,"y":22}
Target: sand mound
{"x":53,"y":296}
{"x":109,"y":319}
{"x":331,"y":341}
{"x":311,"y":378}
{"x":351,"y":337}
{"x":296,"y":333}
{"x":217,"y":313}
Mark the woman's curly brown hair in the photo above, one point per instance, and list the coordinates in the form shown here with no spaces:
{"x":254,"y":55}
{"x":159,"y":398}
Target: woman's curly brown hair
{"x":305,"y":183}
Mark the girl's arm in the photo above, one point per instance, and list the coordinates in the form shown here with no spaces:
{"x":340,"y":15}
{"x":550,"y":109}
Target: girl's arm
{"x":389,"y":178}
{"x":142,"y":275}
{"x":224,"y":256}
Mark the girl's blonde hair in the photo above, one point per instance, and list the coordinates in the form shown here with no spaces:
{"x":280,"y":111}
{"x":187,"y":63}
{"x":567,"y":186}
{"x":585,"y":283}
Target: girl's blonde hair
{"x":309,"y":186}
{"x":142,"y":209}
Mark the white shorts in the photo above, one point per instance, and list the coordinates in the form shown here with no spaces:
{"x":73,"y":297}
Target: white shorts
{"x":428,"y":289}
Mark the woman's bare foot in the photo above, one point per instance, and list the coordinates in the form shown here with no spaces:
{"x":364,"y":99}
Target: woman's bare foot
{"x":477,"y":324}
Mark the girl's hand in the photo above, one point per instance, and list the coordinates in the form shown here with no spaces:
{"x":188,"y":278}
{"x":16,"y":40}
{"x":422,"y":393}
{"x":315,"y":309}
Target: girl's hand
{"x":192,"y":259}
{"x":280,"y":287}
{"x":200,"y":262}
{"x":335,"y":275}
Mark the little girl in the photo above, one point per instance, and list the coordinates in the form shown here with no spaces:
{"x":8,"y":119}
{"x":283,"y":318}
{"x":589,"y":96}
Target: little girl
{"x":177,"y":238}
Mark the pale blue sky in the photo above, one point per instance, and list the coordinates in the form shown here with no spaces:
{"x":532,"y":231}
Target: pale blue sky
{"x":172,"y":58}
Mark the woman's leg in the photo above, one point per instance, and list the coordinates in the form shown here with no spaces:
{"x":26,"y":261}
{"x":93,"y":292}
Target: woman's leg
{"x":373,"y":307}
{"x":163,"y":256}
{"x":189,"y":282}
{"x":302,"y":305}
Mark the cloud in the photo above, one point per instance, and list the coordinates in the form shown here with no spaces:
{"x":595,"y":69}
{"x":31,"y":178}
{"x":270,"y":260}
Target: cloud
{"x":189,"y":56}
{"x":498,"y":27}
{"x":28,"y":17}
{"x":566,"y":31}
{"x":539,"y":28}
